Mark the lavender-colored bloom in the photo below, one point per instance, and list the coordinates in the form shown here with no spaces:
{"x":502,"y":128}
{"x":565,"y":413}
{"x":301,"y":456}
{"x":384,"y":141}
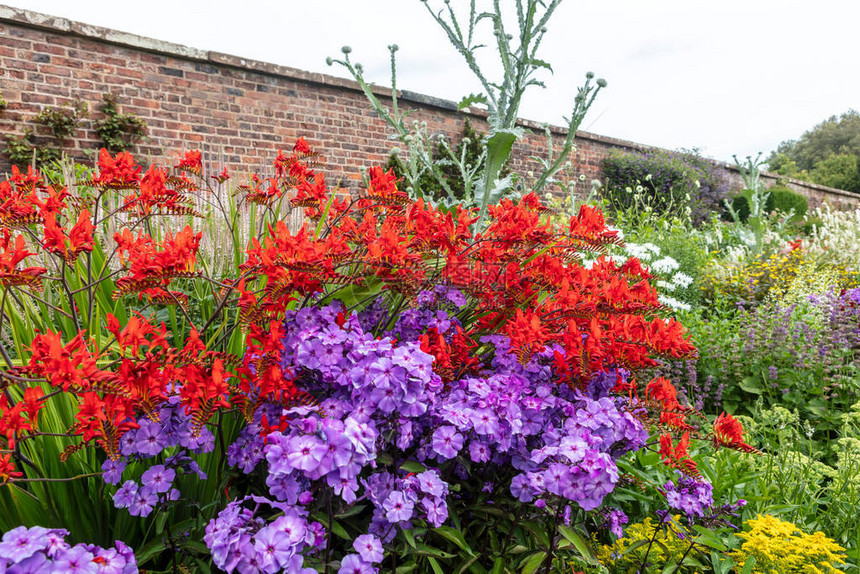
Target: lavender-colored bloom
{"x":447,"y":442}
{"x":22,"y":542}
{"x":691,"y":496}
{"x":112,"y":470}
{"x":124,"y":497}
{"x":353,"y":564}
{"x":76,"y":560}
{"x":143,"y":502}
{"x":369,"y":547}
{"x":305,"y":452}
{"x":274,"y":549}
{"x":398,"y":507}
{"x":158,"y":479}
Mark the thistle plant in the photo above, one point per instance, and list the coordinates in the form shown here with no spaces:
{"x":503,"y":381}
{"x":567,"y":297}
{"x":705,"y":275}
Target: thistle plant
{"x":501,"y":97}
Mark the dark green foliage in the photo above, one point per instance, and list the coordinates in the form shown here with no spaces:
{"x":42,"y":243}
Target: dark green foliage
{"x":470,"y":140}
{"x":780,"y":199}
{"x":668,"y":181}
{"x":62,"y":122}
{"x":22,"y":151}
{"x":828,"y":154}
{"x":841,"y":171}
{"x":3,"y":103}
{"x":784,"y":199}
{"x":118,"y":132}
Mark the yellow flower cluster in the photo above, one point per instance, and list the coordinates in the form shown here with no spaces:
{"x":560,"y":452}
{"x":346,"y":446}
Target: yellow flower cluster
{"x":626,"y":554}
{"x":779,"y":547}
{"x":787,"y":277}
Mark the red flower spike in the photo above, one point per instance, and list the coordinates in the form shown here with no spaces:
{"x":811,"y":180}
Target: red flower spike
{"x":192,"y":161}
{"x":117,"y":173}
{"x":729,"y":432}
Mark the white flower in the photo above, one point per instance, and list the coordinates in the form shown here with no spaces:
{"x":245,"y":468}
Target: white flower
{"x":682,"y":280}
{"x":673,"y":303}
{"x":667,"y":285}
{"x":665,"y":265}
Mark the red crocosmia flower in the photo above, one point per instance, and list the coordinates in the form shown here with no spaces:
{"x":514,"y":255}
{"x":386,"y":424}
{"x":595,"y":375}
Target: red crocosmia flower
{"x":7,"y":469}
{"x":729,"y":432}
{"x":678,"y":456}
{"x":26,"y":181}
{"x":69,"y":366}
{"x":13,"y":253}
{"x":12,"y":421}
{"x":79,"y":239}
{"x":192,"y":161}
{"x":119,"y":173}
{"x":33,"y":403}
{"x":527,"y":334}
{"x":302,"y":146}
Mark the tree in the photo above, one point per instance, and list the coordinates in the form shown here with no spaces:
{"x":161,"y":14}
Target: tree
{"x":828,"y":154}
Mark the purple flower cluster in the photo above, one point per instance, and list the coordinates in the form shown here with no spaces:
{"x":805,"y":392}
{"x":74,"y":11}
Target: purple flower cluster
{"x":171,"y":427}
{"x":33,"y":550}
{"x":326,"y":448}
{"x":379,"y":400}
{"x":240,"y":539}
{"x":691,"y":496}
{"x":398,"y":501}
{"x":369,"y":550}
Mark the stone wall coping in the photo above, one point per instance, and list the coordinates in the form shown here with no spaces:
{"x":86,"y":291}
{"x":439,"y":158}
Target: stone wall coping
{"x":28,"y":18}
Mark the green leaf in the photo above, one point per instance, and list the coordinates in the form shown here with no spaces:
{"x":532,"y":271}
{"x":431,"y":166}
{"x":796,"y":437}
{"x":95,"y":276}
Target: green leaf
{"x":340,"y":531}
{"x":581,"y":546}
{"x":751,"y":385}
{"x":748,"y":565}
{"x":454,"y":536}
{"x":435,"y":565}
{"x":533,"y":562}
{"x":540,"y":64}
{"x":412,"y":466}
{"x":708,"y":538}
{"x":472,"y":99}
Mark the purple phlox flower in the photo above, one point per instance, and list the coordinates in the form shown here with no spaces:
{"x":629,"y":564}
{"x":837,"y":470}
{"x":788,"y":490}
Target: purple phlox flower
{"x":293,"y":525}
{"x":158,"y":478}
{"x":398,"y":507}
{"x":430,"y":483}
{"x":369,"y":548}
{"x":479,"y":451}
{"x":22,"y":542}
{"x":573,"y":448}
{"x":124,"y":497}
{"x":143,"y":502}
{"x":149,"y":438}
{"x":353,"y":564}
{"x":436,"y":509}
{"x":75,"y":560}
{"x":274,"y":548}
{"x":447,"y":442}
{"x":112,"y":470}
{"x":305,"y":452}
{"x":484,"y":421}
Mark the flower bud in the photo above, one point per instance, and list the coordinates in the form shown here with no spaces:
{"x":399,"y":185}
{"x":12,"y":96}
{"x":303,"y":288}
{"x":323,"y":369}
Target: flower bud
{"x":346,"y":49}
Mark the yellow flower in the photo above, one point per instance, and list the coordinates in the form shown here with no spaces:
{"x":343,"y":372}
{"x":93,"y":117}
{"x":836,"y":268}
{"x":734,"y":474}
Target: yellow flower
{"x":780,"y":547}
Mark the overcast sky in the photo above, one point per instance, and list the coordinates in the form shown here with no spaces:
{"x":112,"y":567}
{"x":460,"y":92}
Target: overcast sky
{"x":726,"y":77}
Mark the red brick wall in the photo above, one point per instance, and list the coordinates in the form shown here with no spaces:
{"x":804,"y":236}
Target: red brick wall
{"x":237,"y":111}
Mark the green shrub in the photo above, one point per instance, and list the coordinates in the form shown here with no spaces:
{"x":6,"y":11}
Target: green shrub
{"x":784,"y":199}
{"x":780,"y":199}
{"x":670,"y":183}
